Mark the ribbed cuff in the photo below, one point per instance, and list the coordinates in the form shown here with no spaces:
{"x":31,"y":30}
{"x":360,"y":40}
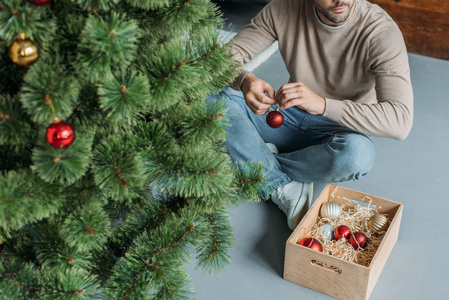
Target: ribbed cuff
{"x":334,"y":109}
{"x":237,"y":84}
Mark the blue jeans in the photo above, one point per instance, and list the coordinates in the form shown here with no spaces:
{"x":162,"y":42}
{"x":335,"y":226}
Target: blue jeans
{"x":312,"y":148}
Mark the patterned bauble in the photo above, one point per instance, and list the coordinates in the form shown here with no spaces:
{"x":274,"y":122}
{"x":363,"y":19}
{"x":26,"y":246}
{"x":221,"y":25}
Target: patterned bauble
{"x":40,"y":2}
{"x":330,"y":210}
{"x":378,"y":223}
{"x":358,"y":240}
{"x":24,"y":52}
{"x":311,"y":243}
{"x":60,"y":134}
{"x":275,"y":119}
{"x":326,"y":232}
{"x":342,"y":231}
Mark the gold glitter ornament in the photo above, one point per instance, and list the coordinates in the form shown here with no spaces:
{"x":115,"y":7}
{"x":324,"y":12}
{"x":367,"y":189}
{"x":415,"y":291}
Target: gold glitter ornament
{"x":330,"y":210}
{"x":24,"y":52}
{"x":378,"y":223}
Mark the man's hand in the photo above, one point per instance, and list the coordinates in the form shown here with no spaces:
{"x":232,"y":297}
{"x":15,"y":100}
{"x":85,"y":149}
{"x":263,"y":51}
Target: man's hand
{"x":253,"y":90}
{"x":297,"y":94}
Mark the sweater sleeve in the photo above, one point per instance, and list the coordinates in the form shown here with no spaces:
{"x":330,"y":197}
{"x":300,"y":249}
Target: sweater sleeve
{"x":259,"y":34}
{"x":391,"y":114}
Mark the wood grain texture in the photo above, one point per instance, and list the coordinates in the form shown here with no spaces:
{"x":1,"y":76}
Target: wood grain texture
{"x":424,"y":25}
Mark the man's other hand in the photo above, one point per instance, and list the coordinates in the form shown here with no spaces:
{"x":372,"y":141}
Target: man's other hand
{"x":297,"y":94}
{"x":254,"y":90}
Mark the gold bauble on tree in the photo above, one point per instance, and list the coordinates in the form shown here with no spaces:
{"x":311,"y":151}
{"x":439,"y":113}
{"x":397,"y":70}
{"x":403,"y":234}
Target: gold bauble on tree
{"x":24,"y":52}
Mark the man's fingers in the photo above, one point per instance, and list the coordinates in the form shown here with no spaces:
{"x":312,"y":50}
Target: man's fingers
{"x":256,"y":106}
{"x":291,"y":84}
{"x":288,"y":88}
{"x":291,"y":103}
{"x":288,"y":97}
{"x":271,"y":92}
{"x":264,"y":98}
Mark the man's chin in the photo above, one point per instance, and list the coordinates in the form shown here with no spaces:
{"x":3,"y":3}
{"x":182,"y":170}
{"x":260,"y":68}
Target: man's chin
{"x":334,"y":18}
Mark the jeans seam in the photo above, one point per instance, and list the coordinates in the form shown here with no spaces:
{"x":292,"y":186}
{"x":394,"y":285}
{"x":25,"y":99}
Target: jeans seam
{"x":303,"y":121}
{"x":268,"y":190}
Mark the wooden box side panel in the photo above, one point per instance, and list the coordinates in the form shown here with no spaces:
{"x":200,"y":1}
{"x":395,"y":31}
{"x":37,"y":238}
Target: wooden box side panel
{"x":384,"y":250}
{"x":350,"y":283}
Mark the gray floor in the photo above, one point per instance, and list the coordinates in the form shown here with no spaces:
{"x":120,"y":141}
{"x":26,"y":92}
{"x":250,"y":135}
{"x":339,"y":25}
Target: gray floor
{"x":413,"y":172}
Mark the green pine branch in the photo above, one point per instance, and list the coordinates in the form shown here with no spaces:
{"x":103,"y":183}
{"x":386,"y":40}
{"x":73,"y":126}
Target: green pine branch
{"x":16,"y":129}
{"x":96,"y":5}
{"x":18,"y":16}
{"x":125,"y":98}
{"x":155,"y":258}
{"x":106,"y":41}
{"x":25,"y":199}
{"x":54,"y":253}
{"x":117,"y":169}
{"x":87,"y":114}
{"x":64,"y":166}
{"x":249,"y":180}
{"x":86,"y":228}
{"x":213,"y":256}
{"x":48,"y":83}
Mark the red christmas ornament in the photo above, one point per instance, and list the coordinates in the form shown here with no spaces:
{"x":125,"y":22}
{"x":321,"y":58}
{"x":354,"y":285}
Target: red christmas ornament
{"x":342,"y":231}
{"x":312,"y":244}
{"x":40,"y":2}
{"x":60,"y":134}
{"x":275,"y":118}
{"x":358,"y":240}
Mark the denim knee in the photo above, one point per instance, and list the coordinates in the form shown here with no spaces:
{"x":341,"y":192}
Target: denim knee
{"x":354,"y":156}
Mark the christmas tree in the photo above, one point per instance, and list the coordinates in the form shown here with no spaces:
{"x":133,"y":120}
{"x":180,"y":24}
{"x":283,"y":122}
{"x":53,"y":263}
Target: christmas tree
{"x":113,"y":170}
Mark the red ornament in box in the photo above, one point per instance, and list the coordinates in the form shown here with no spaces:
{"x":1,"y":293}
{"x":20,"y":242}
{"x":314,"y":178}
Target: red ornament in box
{"x":342,"y":231}
{"x":311,"y":243}
{"x":40,"y":2}
{"x":275,"y":119}
{"x":358,"y":240}
{"x":60,"y":134}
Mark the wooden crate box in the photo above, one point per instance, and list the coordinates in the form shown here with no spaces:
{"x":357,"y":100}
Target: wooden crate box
{"x":343,"y":280}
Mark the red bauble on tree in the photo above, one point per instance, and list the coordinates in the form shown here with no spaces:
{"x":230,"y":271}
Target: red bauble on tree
{"x":358,"y":240}
{"x":275,"y":119}
{"x":40,"y":2}
{"x":60,"y":134}
{"x":311,"y":243}
{"x":342,"y":231}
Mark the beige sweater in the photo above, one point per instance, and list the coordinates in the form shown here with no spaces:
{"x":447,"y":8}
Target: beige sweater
{"x":361,"y":67}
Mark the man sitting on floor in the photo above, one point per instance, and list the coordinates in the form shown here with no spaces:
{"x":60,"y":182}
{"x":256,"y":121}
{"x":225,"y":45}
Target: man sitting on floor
{"x":349,"y":79}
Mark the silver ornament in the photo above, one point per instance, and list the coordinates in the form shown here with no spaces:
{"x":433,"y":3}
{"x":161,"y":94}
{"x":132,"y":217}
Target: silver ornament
{"x":378,"y":223}
{"x":330,"y":210}
{"x":326,"y":232}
